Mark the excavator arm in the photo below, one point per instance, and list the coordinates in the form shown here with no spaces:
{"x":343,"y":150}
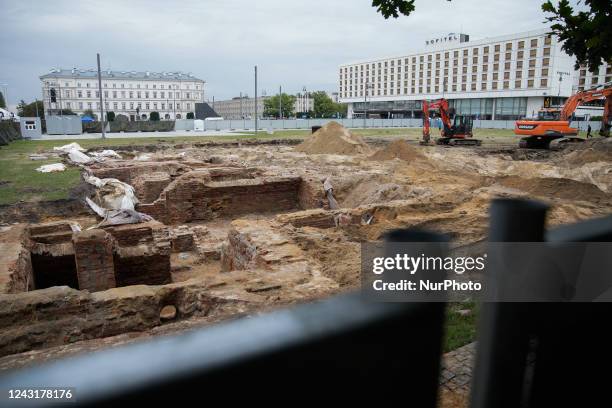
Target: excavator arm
{"x":442,"y":106}
{"x":584,"y":97}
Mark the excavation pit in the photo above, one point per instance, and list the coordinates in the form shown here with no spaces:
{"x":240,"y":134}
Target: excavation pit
{"x":243,"y":228}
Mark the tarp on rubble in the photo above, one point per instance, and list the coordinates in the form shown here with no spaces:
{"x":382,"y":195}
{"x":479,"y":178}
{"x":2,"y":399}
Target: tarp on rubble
{"x":51,"y":168}
{"x":114,"y":201}
{"x":70,"y":146}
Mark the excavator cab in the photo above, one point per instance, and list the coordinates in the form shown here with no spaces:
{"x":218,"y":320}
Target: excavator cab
{"x":462,"y":126}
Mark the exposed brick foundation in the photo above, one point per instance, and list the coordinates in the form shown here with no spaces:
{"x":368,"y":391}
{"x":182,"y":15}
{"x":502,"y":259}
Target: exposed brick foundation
{"x":93,"y":252}
{"x":195,"y":196}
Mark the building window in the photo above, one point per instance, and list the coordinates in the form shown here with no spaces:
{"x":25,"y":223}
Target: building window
{"x":508,"y":46}
{"x":547,"y":40}
{"x":97,"y":94}
{"x":519,"y":74}
{"x":547,"y":51}
{"x":79,"y":94}
{"x":530,"y":83}
{"x":473,"y":87}
{"x":544,"y":72}
{"x":147,"y":106}
{"x":517,"y":84}
{"x":106,"y":94}
{"x":483,"y":86}
{"x":506,"y":84}
{"x":81,"y":105}
{"x":123,"y":105}
{"x":521,"y":45}
{"x":114,"y":94}
{"x":494,"y":85}
{"x":543,"y":82}
{"x":115,"y":105}
{"x":147,"y":95}
{"x":131,"y":105}
{"x":534,"y":43}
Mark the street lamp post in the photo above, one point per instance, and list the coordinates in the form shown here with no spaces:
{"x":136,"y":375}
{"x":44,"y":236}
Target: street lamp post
{"x":365,"y":104}
{"x":305,"y":100}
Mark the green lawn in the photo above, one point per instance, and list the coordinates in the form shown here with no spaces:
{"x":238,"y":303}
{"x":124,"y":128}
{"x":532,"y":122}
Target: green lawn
{"x":460,"y":329}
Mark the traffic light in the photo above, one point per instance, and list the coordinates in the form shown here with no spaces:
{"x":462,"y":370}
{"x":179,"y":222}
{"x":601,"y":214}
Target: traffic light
{"x":52,"y":93}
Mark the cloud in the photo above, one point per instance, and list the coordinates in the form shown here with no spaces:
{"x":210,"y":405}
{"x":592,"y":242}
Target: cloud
{"x":294,"y":43}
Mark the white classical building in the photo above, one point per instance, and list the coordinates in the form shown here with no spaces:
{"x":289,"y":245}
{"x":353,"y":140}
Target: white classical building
{"x":504,"y":77}
{"x":130,"y":93}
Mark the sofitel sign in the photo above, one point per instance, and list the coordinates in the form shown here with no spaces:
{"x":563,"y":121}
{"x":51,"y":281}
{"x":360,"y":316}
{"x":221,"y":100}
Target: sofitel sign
{"x":451,"y":37}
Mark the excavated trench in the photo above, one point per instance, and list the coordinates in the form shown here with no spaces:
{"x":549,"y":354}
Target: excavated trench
{"x":241,"y":228}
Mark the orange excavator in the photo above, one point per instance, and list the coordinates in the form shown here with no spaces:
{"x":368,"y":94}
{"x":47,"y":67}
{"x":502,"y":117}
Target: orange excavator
{"x":552,"y":124}
{"x":455,"y":132}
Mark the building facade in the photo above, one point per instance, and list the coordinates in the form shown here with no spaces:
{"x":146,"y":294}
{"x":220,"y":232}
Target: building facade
{"x":244,"y":107}
{"x":505,"y":77}
{"x":129,"y":93}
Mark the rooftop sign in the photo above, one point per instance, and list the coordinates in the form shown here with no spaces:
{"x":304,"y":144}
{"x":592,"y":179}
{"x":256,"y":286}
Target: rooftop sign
{"x":448,"y":39}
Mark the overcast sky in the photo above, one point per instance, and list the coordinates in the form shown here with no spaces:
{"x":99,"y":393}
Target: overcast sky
{"x":294,"y":43}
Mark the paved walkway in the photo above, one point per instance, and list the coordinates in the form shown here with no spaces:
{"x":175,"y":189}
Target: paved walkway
{"x":457,"y":365}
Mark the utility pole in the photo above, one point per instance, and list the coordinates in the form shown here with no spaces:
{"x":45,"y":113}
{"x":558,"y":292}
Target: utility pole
{"x":365,"y":105}
{"x":102,"y":122}
{"x":255,"y":100}
{"x":280,"y":102}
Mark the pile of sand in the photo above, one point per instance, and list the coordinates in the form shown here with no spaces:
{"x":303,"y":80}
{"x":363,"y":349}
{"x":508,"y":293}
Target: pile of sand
{"x":399,"y":149}
{"x":333,"y":138}
{"x":556,"y":188}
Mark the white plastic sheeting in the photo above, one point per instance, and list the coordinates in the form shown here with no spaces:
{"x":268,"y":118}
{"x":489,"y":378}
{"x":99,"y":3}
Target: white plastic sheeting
{"x":51,"y":168}
{"x":106,"y":153}
{"x":70,"y":146}
{"x":79,"y":157}
{"x":112,"y":194}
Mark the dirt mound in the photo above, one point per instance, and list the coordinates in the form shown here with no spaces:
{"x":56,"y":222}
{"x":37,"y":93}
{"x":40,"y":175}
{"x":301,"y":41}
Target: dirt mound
{"x":588,"y":152}
{"x":399,"y":149}
{"x":556,"y":188}
{"x":333,"y":138}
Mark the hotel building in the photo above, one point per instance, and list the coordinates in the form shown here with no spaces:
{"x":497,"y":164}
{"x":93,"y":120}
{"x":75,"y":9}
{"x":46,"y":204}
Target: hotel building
{"x":505,"y":77}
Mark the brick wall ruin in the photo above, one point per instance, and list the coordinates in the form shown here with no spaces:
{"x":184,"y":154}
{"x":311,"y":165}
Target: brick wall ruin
{"x":58,"y":254}
{"x":197,"y":196}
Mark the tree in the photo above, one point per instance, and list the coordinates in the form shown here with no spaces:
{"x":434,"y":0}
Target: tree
{"x":154,"y":116}
{"x":393,"y":8}
{"x":287,"y":102}
{"x":2,"y":101}
{"x":30,"y":109}
{"x":586,"y":35}
{"x":110,"y":116}
{"x":189,"y":115}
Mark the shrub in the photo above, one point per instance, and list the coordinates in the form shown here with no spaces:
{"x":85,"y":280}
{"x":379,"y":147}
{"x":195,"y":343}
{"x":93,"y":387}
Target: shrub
{"x":110,"y":116}
{"x":190,"y":115}
{"x":154,"y":116}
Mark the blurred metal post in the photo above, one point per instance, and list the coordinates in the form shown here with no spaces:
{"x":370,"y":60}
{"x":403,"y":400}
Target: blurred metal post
{"x":102,"y":124}
{"x":255,"y":100}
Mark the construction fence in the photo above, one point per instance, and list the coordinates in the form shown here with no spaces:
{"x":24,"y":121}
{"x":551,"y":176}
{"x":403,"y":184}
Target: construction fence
{"x":276,"y":124}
